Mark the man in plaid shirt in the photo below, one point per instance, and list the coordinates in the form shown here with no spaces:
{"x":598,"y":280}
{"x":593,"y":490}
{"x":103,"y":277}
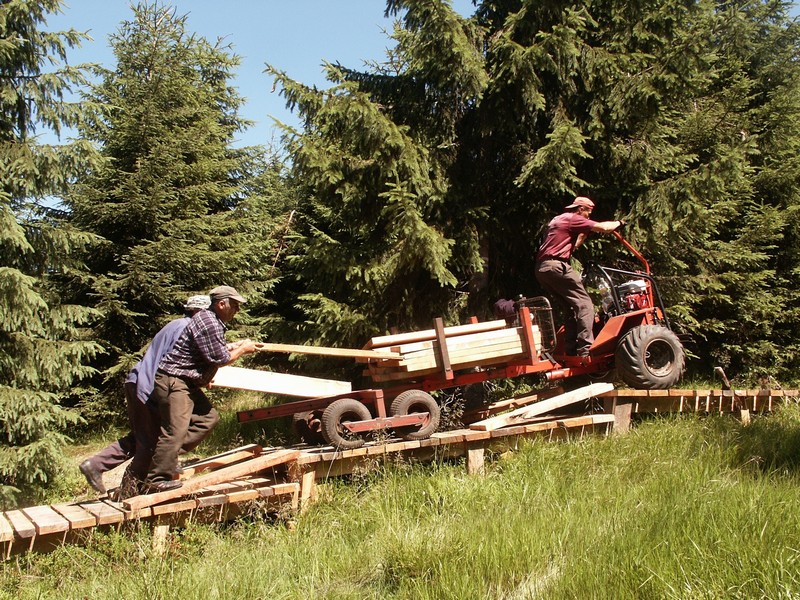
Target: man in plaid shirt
{"x":187,"y":416}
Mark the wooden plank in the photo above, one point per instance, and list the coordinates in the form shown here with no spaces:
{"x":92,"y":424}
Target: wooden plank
{"x":46,"y":520}
{"x":243,"y":494}
{"x":221,"y":460}
{"x":175,"y":507}
{"x":255,"y":465}
{"x":580,"y":421}
{"x":527,"y":412}
{"x":77,"y":516}
{"x":505,"y":349}
{"x":468,"y":348}
{"x":280,"y":489}
{"x":475,"y":436}
{"x":218,"y":497}
{"x":430,"y":334}
{"x":278,"y":383}
{"x":6,"y":530}
{"x":494,"y":408}
{"x":395,"y":376}
{"x":323,"y":351}
{"x":475,"y":340}
{"x":104,"y":514}
{"x":22,"y":525}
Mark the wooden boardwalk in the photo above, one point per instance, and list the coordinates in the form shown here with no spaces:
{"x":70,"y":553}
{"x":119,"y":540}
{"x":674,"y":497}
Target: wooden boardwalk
{"x":284,"y":479}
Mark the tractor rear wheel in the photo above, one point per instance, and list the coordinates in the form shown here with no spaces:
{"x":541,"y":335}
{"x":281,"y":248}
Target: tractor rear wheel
{"x":416,"y":401}
{"x":335,"y":415}
{"x":650,"y":357}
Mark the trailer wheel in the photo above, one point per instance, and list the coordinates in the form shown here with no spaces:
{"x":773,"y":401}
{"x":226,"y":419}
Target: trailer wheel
{"x":339,"y":412}
{"x":650,"y":357}
{"x":416,"y":401}
{"x":308,"y":427}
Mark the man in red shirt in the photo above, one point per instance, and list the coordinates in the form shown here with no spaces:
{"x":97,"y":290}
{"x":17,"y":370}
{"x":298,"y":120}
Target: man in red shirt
{"x":565,"y":233}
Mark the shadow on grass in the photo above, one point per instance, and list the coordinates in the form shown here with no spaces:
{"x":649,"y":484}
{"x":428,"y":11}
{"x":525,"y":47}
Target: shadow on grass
{"x":771,"y":442}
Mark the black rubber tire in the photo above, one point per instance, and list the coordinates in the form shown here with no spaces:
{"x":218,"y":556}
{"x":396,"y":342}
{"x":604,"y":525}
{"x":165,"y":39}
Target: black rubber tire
{"x":308,"y":427}
{"x":341,"y":411}
{"x":415,"y":401}
{"x":650,"y":357}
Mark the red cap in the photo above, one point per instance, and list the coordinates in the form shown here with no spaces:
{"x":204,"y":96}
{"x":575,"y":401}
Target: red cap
{"x":582,"y":201}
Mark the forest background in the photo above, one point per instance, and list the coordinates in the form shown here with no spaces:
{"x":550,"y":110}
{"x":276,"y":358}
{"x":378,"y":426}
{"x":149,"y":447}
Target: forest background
{"x":412,"y":188}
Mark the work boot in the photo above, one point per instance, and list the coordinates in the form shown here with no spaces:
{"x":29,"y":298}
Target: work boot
{"x":162,"y":486}
{"x":93,"y":476}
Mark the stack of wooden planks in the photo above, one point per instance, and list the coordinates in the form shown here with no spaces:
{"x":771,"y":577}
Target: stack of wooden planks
{"x":467,"y":346}
{"x":532,"y":407}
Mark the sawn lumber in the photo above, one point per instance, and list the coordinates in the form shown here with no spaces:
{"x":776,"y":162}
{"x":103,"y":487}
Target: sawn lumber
{"x":278,"y":383}
{"x":260,"y":463}
{"x":325,"y":351}
{"x":529,"y":412}
{"x":220,"y":460}
{"x":430,"y":334}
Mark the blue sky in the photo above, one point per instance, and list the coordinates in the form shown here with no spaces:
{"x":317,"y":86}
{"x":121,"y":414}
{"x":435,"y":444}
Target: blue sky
{"x":296,"y":36}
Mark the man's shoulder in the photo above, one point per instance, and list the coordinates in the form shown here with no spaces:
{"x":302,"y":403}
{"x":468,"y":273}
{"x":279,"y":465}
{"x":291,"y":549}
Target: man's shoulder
{"x":207,"y":320}
{"x":172,"y":326}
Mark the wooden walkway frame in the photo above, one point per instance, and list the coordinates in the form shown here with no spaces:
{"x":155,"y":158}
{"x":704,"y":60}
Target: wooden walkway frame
{"x":286,"y":478}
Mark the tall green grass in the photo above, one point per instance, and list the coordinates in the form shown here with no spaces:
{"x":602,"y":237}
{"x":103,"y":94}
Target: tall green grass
{"x":678,"y":508}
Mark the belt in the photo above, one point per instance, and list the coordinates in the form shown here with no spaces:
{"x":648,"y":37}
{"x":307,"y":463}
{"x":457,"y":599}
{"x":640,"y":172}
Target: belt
{"x":546,"y":258}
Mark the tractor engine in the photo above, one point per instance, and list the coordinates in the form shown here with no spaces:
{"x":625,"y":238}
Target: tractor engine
{"x":634,"y":295}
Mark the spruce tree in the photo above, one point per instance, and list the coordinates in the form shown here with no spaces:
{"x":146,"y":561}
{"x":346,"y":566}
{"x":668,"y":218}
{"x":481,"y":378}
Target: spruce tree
{"x":43,"y":355}
{"x":179,"y":208}
{"x":428,"y":177}
{"x":377,"y":246}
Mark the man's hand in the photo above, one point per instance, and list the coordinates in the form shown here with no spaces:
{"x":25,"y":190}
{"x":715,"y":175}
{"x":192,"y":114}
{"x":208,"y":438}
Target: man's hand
{"x":240,"y":348}
{"x":621,"y":224}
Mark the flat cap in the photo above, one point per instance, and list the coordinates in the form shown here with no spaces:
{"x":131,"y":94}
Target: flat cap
{"x":197,"y":302}
{"x":225,"y":291}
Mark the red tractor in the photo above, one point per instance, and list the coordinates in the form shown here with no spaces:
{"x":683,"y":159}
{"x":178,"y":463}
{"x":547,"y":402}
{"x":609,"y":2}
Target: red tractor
{"x":632,"y":331}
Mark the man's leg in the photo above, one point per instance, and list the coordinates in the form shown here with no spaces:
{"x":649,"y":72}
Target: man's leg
{"x":172,"y":397}
{"x":204,"y":418}
{"x":147,"y":428}
{"x":580,"y":301}
{"x":112,"y":455}
{"x":553,"y":277}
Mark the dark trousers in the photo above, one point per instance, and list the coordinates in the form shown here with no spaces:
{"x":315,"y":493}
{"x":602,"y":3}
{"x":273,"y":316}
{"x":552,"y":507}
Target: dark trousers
{"x":143,"y":435}
{"x":564,"y":285}
{"x":146,"y":428}
{"x":187,"y":418}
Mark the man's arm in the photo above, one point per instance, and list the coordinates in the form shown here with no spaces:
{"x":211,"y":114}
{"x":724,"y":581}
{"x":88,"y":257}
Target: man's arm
{"x":607,"y":226}
{"x":239,"y":349}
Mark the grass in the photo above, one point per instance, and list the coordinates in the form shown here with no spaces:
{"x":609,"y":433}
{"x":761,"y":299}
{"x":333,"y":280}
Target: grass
{"x":680,"y":507}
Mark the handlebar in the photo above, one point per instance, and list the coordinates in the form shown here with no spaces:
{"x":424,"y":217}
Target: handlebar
{"x":633,"y":251}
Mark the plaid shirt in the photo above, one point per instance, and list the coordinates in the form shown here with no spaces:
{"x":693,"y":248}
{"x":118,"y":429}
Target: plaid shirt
{"x":200,"y":350}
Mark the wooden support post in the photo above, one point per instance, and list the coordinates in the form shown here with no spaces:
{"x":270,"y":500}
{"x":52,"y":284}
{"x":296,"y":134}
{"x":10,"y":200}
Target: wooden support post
{"x":441,"y":337}
{"x":744,"y":416}
{"x":308,"y":489}
{"x":160,"y":533}
{"x":622,"y":417}
{"x":475,"y":458}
